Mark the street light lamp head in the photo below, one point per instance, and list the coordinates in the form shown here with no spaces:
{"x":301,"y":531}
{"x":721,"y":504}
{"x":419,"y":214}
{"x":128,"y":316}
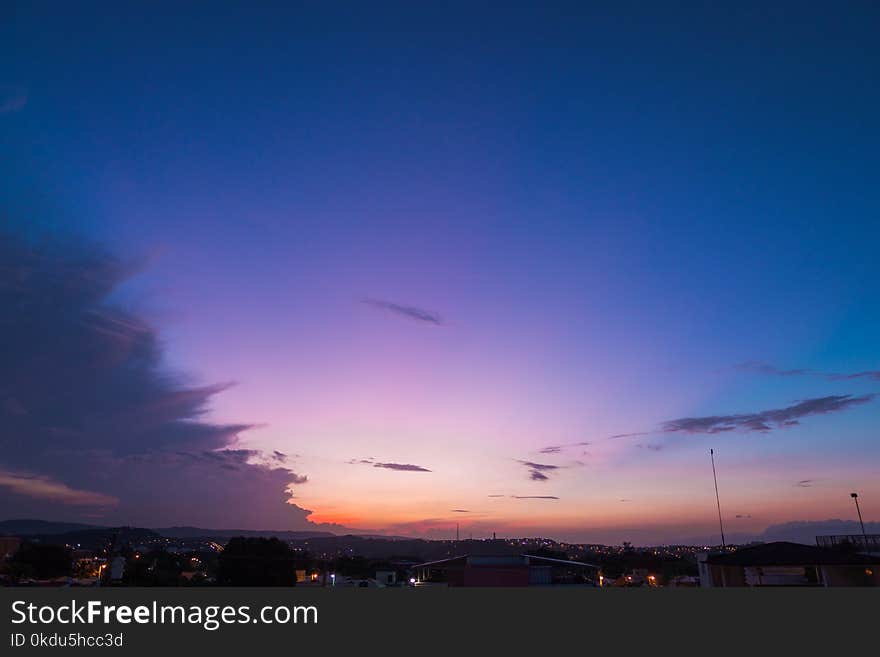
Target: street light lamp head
{"x":854,"y":495}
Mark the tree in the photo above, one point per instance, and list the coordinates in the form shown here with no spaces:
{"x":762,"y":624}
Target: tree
{"x":257,"y":562}
{"x":42,"y":561}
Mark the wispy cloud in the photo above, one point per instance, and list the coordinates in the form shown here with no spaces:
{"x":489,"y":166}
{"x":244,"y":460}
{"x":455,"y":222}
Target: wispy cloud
{"x":759,"y":422}
{"x":540,"y":466}
{"x":873,"y":375}
{"x":556,"y":449}
{"x":654,"y":447}
{"x":537,"y":470}
{"x":400,"y":467}
{"x":403,"y":467}
{"x":45,"y":488}
{"x":804,"y":483}
{"x":766,"y":368}
{"x":629,"y":435}
{"x":526,"y":497}
{"x":459,"y":511}
{"x":410,"y":312}
{"x":765,"y":421}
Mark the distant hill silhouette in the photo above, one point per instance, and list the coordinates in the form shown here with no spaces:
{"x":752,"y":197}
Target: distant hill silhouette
{"x":200,"y":532}
{"x":802,"y":531}
{"x":30,"y":527}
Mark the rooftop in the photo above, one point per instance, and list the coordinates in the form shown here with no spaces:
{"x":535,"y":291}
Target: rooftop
{"x":783,"y":553}
{"x":503,"y":560}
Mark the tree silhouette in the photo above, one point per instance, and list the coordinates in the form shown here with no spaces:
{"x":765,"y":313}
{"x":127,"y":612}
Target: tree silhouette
{"x":42,"y":561}
{"x":257,"y":562}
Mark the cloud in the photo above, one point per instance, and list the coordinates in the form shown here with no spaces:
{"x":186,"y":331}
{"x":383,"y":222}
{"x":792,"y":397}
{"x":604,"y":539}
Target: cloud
{"x":804,"y":483}
{"x":873,"y":375}
{"x":540,"y":466}
{"x":624,"y":500}
{"x":761,"y":421}
{"x":537,"y":470}
{"x":410,"y":312}
{"x":765,"y":368}
{"x":459,"y":511}
{"x":89,"y":415}
{"x":765,"y":421}
{"x":654,"y":447}
{"x":743,"y":515}
{"x":527,"y":497}
{"x":44,"y":488}
{"x":556,"y":449}
{"x":401,"y":467}
{"x":12,"y":99}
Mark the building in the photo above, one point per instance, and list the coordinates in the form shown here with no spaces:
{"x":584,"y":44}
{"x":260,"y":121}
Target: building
{"x":386,"y":577}
{"x":788,"y":564}
{"x":505,"y":570}
{"x":864,"y":543}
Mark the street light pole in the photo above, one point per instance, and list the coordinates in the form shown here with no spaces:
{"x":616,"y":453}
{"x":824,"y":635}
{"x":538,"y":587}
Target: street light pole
{"x":855,"y":497}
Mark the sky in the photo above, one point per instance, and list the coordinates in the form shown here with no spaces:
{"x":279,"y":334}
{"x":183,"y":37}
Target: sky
{"x":397,"y":267}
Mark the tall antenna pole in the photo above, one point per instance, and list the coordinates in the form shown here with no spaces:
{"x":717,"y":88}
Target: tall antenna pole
{"x":717,"y":499}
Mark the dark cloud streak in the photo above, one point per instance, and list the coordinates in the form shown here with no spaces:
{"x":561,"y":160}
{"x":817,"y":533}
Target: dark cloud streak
{"x":537,"y":470}
{"x":765,"y":421}
{"x":400,"y":467}
{"x":556,"y":449}
{"x":766,"y":368}
{"x":410,"y":312}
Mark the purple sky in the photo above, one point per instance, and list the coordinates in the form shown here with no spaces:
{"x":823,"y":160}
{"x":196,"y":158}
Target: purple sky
{"x":517,"y":271}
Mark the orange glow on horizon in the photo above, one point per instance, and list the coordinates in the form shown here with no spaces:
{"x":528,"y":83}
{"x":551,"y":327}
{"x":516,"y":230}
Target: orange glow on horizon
{"x":321,"y":517}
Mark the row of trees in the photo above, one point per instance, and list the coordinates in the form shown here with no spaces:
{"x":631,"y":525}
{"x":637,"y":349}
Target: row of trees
{"x":244,"y":562}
